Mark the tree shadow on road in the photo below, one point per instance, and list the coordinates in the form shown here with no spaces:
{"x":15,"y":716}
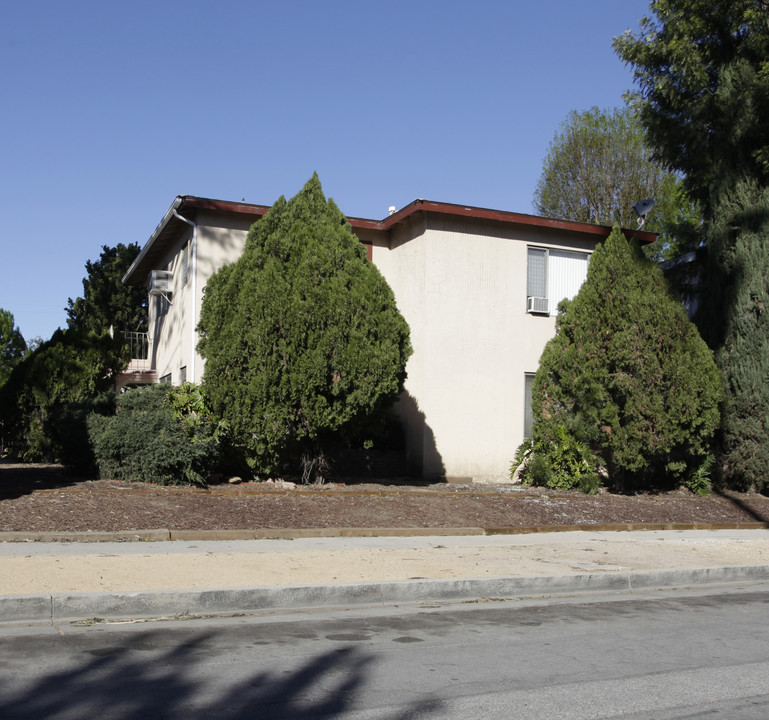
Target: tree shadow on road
{"x":132,"y":681}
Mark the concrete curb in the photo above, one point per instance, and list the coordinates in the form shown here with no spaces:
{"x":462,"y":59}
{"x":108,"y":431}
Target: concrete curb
{"x":162,"y":534}
{"x":70,"y":607}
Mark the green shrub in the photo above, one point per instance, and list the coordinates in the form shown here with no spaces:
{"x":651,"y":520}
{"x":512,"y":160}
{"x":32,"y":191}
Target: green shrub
{"x":70,"y":367}
{"x":154,"y":437}
{"x":68,"y":430}
{"x":735,"y":319}
{"x":699,"y":480}
{"x":564,"y":464}
{"x":190,"y":407}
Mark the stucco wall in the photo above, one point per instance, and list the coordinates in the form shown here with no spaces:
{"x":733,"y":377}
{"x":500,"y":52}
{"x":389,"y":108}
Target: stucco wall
{"x":461,"y":286}
{"x":167,"y":331}
{"x":220,"y":240}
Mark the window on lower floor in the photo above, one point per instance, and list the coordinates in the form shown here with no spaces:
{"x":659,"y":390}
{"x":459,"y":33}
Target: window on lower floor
{"x":528,"y":413}
{"x":182,"y":375}
{"x":551,"y":276}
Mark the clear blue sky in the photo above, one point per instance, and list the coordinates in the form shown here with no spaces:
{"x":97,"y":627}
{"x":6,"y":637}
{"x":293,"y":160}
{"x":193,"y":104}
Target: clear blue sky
{"x":110,"y":110}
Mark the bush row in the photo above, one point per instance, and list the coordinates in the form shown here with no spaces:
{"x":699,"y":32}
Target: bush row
{"x":168,"y":435}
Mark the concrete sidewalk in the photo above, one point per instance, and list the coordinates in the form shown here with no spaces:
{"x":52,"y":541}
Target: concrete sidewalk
{"x":59,"y":581}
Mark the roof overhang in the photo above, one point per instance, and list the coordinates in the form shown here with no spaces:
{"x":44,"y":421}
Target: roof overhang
{"x":503,"y":216}
{"x":171,"y":228}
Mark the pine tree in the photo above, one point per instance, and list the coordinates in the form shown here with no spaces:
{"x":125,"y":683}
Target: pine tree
{"x":627,"y":375}
{"x":301,"y":335}
{"x":12,"y":345}
{"x":702,"y":68}
{"x":703,"y":89}
{"x":106,"y":302}
{"x":738,"y":276}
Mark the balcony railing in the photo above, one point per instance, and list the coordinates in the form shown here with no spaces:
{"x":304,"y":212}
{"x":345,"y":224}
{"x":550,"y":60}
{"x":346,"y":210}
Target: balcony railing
{"x":141,"y":357}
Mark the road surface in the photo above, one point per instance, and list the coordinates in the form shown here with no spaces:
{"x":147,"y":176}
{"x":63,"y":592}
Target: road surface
{"x":669,"y":655}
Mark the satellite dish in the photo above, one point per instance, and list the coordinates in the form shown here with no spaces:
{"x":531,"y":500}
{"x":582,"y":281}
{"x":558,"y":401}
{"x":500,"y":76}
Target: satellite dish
{"x":642,"y":210}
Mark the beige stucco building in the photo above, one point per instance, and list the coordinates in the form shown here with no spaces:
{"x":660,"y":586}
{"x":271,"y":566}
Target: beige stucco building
{"x":479,"y":289}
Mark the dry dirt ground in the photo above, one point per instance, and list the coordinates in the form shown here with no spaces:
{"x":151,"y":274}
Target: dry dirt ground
{"x":44,"y":498}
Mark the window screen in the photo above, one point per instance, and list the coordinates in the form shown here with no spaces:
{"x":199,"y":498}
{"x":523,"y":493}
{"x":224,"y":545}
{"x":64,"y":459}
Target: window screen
{"x":536,"y":277}
{"x":566,"y":273}
{"x":555,"y":275}
{"x":185,"y":263}
{"x":528,"y":414}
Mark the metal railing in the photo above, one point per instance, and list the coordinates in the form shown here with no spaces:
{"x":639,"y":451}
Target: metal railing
{"x":139,"y":343}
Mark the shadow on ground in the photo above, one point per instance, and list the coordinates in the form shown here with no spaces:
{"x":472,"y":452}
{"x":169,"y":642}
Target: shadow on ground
{"x":141,"y":678}
{"x":756,"y":514}
{"x":17,"y":479}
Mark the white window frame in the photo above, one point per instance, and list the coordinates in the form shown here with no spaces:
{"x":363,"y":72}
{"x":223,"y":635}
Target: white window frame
{"x":536,"y":287}
{"x":544,"y":304}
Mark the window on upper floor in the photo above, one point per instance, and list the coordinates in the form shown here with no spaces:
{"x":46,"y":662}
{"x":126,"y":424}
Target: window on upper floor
{"x":162,"y":304}
{"x":185,"y":263}
{"x":553,"y":275}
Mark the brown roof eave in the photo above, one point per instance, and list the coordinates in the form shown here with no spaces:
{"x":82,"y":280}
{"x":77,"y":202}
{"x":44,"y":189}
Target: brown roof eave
{"x":170,"y":225}
{"x":241,"y":208}
{"x":598,"y":231}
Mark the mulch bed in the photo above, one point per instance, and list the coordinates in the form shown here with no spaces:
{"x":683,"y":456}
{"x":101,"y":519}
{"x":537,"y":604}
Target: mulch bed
{"x":44,"y":498}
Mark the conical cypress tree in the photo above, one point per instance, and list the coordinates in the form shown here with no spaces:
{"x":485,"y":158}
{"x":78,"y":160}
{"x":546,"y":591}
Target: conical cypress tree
{"x":735,"y":317}
{"x":627,"y":374}
{"x":301,"y":335}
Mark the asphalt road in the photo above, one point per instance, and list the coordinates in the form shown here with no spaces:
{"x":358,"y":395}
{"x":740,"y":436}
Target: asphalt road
{"x":683,"y":654}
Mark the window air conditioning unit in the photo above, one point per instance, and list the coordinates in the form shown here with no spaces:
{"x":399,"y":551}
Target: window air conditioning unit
{"x":161,"y":282}
{"x":537,"y":305}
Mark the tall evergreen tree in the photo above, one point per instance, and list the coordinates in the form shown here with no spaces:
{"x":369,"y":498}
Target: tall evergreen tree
{"x":737,"y":278}
{"x":107,"y":303}
{"x":702,"y":68}
{"x":301,"y":335}
{"x":12,"y":345}
{"x":702,"y":71}
{"x":627,"y":375}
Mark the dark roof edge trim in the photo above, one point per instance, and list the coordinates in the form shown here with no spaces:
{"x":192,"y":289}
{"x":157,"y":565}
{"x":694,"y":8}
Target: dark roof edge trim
{"x":189,"y":201}
{"x":499,"y":215}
